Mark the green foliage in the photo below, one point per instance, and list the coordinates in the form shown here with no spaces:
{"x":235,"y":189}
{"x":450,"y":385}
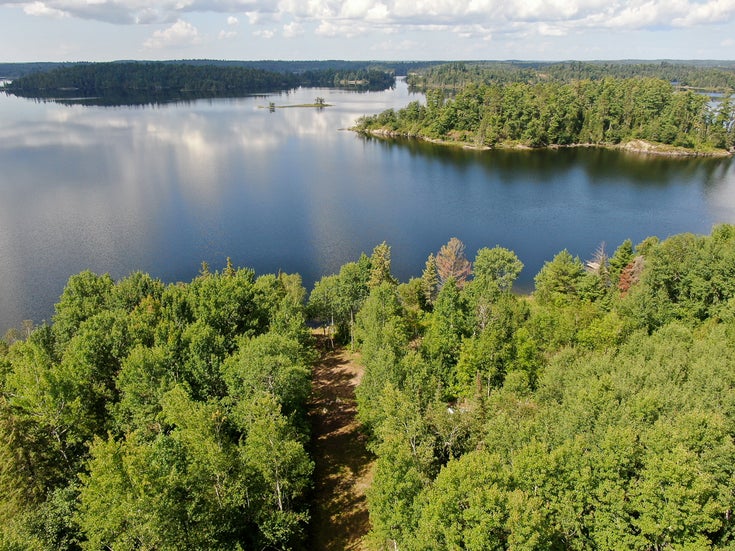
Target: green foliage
{"x":270,"y":363}
{"x":430,"y":280}
{"x":504,"y":347}
{"x":495,"y":270}
{"x":145,"y":376}
{"x":686,"y":277}
{"x":466,"y":506}
{"x":335,"y":299}
{"x":324,"y":304}
{"x":128,"y":293}
{"x":380,"y":323}
{"x":589,"y":415}
{"x":403,"y":468}
{"x":559,"y":280}
{"x":147,"y":82}
{"x":380,"y":266}
{"x":526,"y":108}
{"x":622,"y":256}
{"x":578,"y":418}
{"x":152,"y":417}
{"x":281,"y":299}
{"x":454,"y":76}
{"x":448,"y":325}
{"x":280,"y":467}
{"x":85,"y":294}
{"x":381,"y":332}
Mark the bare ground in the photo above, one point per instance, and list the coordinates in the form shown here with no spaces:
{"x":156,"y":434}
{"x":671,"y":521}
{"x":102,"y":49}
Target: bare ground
{"x":342,"y":464}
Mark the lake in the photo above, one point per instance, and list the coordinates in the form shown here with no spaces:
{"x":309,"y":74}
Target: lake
{"x":163,"y":188}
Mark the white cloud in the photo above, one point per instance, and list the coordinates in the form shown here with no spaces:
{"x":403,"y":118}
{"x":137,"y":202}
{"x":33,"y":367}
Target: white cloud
{"x":471,"y":31}
{"x":708,"y":12}
{"x":41,"y":9}
{"x":347,"y":18}
{"x":545,"y":29}
{"x":293,"y":29}
{"x":265,"y":33}
{"x":378,"y":12}
{"x":341,"y":29}
{"x":180,"y":33}
{"x":393,"y":46}
{"x":225,"y":34}
{"x":254,"y":17}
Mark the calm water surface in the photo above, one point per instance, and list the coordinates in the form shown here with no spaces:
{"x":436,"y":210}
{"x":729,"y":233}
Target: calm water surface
{"x":163,"y":188}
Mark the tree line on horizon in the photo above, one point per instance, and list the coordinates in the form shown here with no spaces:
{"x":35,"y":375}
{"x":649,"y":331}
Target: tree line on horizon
{"x":711,"y":76}
{"x":596,"y":412}
{"x":400,"y":68}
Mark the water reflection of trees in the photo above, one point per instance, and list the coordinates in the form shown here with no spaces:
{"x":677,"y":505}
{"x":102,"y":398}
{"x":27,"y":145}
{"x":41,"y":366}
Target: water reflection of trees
{"x":601,"y":165}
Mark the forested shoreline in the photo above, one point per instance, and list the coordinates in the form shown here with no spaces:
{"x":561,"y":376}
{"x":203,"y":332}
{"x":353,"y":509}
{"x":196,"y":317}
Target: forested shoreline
{"x":597,"y":412}
{"x":712,"y":76}
{"x":143,"y":82}
{"x":606,"y":112}
{"x":159,"y":417}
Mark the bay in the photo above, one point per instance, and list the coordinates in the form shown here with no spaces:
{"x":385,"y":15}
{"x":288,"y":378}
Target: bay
{"x":161,"y":188}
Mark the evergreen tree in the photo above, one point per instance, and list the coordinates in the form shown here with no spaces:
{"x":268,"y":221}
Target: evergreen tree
{"x":451,"y":263}
{"x":380,"y":266}
{"x":430,"y":280}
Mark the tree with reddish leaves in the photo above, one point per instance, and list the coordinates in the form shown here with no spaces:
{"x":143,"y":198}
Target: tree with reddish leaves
{"x":451,"y":262}
{"x":630,"y":275}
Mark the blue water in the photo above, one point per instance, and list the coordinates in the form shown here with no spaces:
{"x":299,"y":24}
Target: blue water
{"x":163,"y":188}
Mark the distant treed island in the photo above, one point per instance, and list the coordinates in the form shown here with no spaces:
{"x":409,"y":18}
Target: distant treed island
{"x":148,"y":82}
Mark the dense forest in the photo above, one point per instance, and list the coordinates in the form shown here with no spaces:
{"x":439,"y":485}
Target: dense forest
{"x":142,"y":82}
{"x":401,"y":68}
{"x":598,"y":413}
{"x":593,"y":112}
{"x":152,"y":416}
{"x":454,"y":76}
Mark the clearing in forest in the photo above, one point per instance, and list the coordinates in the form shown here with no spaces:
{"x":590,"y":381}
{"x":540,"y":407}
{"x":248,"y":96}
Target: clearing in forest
{"x":343,"y":466}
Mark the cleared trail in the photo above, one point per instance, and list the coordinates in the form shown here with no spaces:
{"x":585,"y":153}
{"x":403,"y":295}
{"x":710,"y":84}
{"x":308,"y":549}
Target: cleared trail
{"x":342,"y":464}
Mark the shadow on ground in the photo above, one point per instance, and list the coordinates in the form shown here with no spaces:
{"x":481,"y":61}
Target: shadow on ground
{"x":342,"y":463}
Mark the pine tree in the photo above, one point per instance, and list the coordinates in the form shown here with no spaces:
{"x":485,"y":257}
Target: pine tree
{"x":451,"y":262}
{"x":380,"y":266}
{"x":430,"y":280}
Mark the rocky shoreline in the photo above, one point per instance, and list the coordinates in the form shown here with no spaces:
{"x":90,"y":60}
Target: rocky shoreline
{"x":642,"y":147}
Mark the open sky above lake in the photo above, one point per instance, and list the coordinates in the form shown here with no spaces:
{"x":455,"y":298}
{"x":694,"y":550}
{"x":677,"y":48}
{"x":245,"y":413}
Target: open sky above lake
{"x":103,"y":30}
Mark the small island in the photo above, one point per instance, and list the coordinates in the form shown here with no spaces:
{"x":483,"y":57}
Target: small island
{"x":319,"y":103}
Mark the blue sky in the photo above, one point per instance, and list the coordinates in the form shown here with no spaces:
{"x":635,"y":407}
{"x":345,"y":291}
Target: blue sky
{"x":102,"y":30}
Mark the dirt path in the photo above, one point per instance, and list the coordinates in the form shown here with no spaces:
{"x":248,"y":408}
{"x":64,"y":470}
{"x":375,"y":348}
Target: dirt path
{"x":343,"y":465}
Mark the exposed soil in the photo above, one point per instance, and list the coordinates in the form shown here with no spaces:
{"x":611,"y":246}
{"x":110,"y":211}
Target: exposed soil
{"x":343,"y":465}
